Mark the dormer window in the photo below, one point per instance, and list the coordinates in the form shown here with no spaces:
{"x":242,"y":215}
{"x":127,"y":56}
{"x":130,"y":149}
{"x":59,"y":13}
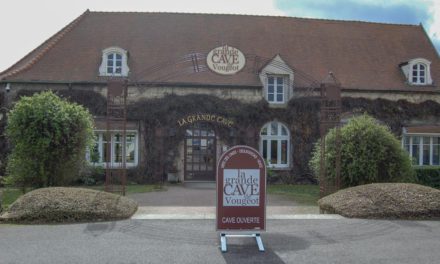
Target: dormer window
{"x":417,"y":71}
{"x":114,"y":62}
{"x":277,"y":79}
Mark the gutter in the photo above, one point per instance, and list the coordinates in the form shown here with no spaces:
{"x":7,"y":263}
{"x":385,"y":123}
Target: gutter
{"x":198,"y":85}
{"x":137,"y":84}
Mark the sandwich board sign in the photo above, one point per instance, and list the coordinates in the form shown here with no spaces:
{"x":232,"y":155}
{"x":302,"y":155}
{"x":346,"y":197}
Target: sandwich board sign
{"x":241,"y":194}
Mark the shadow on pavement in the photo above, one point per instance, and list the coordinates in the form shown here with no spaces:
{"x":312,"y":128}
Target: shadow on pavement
{"x":249,"y":254}
{"x":245,"y":250}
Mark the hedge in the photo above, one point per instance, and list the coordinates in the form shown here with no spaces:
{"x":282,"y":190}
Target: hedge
{"x":429,"y":176}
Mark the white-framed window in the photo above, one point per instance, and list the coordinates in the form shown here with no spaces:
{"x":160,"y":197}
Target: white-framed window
{"x":275,"y":89}
{"x":114,"y":62}
{"x":99,"y":153}
{"x":424,"y":149}
{"x":417,"y":71}
{"x":275,"y":144}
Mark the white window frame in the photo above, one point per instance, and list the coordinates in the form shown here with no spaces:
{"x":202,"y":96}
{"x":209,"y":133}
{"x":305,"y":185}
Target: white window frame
{"x":279,"y":138}
{"x":275,"y":86}
{"x":113,"y":163}
{"x":419,"y":159}
{"x":419,"y":74}
{"x":104,"y":63}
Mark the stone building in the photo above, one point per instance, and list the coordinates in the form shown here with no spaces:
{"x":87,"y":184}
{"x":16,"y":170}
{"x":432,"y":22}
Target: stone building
{"x":200,"y":83}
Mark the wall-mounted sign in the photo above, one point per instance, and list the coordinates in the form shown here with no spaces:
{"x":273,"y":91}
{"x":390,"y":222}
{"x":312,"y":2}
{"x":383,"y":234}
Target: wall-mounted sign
{"x":241,"y":190}
{"x":212,"y":118}
{"x":226,"y":60}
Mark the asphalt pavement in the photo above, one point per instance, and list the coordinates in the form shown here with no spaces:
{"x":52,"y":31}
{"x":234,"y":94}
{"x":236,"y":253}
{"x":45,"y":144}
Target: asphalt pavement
{"x":196,"y":241}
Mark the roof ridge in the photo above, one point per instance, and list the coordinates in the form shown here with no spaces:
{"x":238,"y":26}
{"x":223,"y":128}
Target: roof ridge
{"x":254,"y":15}
{"x":51,"y":42}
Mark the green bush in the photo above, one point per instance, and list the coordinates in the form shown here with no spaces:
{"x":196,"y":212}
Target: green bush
{"x":91,"y":175}
{"x":429,"y":176}
{"x":49,"y":137}
{"x":370,"y":153}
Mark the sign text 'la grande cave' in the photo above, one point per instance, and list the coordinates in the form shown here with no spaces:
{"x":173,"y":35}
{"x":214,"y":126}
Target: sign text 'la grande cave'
{"x":212,"y":118}
{"x":241,"y":187}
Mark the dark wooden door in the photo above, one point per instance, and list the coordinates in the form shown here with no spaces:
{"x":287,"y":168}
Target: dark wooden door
{"x":200,"y":153}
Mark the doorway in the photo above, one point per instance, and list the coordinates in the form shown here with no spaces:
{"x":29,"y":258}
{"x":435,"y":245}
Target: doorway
{"x":200,"y":153}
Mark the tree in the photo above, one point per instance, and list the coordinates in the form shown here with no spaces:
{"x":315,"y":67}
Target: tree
{"x":369,"y":153}
{"x":49,"y":137}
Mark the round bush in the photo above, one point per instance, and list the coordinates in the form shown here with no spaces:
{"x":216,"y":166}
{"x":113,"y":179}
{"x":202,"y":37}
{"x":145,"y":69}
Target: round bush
{"x":61,"y":204}
{"x":49,"y":137}
{"x":370,"y":153}
{"x":384,"y":200}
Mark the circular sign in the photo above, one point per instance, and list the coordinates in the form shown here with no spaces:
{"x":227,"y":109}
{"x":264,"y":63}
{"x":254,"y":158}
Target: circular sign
{"x":225,"y":60}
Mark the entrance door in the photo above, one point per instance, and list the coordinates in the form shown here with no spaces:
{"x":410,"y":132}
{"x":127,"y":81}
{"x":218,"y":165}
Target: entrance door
{"x":200,"y":153}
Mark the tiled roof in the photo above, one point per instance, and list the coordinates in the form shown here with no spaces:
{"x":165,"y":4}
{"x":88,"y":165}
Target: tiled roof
{"x":361,"y":55}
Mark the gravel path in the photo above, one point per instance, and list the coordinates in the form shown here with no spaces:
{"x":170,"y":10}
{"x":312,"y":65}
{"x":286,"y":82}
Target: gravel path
{"x":177,"y":195}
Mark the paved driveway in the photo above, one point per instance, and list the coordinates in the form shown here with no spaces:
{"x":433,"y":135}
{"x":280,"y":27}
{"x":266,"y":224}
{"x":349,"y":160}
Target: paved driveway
{"x":195,"y":241}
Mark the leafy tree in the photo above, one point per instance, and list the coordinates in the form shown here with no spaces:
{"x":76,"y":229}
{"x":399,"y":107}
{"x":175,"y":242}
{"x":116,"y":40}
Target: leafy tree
{"x":369,"y":153}
{"x":49,"y":137}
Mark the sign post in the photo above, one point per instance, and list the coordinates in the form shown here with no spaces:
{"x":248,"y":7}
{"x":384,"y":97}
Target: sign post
{"x":241,"y":195}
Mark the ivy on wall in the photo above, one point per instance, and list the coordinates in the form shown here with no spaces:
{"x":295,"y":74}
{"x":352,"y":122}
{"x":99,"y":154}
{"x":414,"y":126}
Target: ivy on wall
{"x":3,"y":145}
{"x":159,"y":124}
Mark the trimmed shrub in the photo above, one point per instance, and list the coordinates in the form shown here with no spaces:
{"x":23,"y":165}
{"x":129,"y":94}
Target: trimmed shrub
{"x":49,"y":137}
{"x":61,"y":205}
{"x":384,"y":200}
{"x":429,"y":176}
{"x":370,"y":153}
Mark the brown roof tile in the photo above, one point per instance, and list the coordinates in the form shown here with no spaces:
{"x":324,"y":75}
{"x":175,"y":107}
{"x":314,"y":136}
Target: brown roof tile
{"x":361,"y":55}
{"x":423,"y":129}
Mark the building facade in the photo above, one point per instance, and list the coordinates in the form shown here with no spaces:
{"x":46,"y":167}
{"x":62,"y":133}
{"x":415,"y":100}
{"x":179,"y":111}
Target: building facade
{"x":201,"y":83}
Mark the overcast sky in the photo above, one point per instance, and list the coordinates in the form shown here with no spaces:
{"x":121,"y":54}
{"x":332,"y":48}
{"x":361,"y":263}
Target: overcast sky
{"x":27,"y":23}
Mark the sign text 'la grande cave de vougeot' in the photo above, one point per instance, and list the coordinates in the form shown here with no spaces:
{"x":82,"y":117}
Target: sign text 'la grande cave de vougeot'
{"x":241,"y":190}
{"x":226,"y":60}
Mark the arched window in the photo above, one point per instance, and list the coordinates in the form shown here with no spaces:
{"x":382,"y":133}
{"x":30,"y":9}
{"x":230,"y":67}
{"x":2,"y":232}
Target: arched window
{"x":419,"y":73}
{"x":275,"y":144}
{"x":114,"y":62}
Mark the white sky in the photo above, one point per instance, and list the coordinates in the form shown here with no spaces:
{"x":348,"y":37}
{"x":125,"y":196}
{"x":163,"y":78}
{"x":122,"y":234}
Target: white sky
{"x":25,"y":24}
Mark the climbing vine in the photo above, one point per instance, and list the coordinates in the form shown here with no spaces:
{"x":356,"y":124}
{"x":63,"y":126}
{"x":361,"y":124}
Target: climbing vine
{"x":159,"y":124}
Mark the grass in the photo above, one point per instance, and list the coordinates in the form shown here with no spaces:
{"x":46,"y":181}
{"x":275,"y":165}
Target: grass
{"x":302,"y":194}
{"x":132,"y":188}
{"x":9,"y":195}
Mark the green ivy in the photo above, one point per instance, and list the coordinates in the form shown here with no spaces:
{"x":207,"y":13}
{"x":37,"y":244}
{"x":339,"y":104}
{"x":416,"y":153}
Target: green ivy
{"x":301,"y":117}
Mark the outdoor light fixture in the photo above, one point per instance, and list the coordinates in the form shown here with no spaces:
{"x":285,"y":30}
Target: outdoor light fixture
{"x":8,"y":87}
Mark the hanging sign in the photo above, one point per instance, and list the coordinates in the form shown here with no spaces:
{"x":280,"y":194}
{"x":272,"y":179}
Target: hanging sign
{"x":241,"y":190}
{"x":225,"y":60}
